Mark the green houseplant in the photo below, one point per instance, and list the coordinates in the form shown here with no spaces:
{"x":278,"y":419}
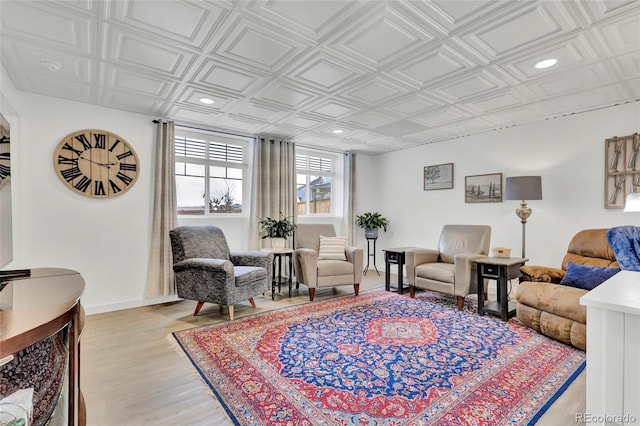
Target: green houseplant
{"x":276,"y":229}
{"x":371,"y":222}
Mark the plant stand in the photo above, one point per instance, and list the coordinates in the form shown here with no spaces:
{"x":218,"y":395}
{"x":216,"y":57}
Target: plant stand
{"x":371,"y":254}
{"x":279,"y":279}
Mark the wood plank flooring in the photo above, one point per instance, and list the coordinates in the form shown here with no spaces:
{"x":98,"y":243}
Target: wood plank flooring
{"x":132,"y":375}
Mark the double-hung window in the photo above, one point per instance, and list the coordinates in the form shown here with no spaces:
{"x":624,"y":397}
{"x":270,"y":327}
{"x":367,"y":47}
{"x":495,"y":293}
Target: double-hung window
{"x":315,"y":172}
{"x":211,"y":173}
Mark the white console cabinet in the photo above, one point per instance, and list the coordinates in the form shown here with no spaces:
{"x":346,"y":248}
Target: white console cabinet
{"x":613,"y":351}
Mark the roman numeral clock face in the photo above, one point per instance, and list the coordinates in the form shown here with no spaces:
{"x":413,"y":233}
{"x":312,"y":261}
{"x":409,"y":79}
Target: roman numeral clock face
{"x":96,"y":163}
{"x":5,"y":157}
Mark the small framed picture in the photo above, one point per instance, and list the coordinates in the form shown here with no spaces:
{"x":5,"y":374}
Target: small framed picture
{"x":439,"y":176}
{"x":483,"y":188}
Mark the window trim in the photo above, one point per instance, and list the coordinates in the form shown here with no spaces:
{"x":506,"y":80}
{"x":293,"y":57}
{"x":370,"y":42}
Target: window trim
{"x":245,"y":142}
{"x":309,"y":171}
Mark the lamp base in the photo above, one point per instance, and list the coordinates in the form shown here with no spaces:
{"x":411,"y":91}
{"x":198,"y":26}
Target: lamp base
{"x":523,"y":211}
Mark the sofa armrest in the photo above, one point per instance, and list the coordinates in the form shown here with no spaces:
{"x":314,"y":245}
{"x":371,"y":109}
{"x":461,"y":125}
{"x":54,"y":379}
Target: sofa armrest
{"x":204,"y":278}
{"x":262,"y":259}
{"x":465,"y":273}
{"x":215,"y":266}
{"x":415,"y":257}
{"x":545,"y":274}
{"x":251,"y":258}
{"x":306,"y":264}
{"x":355,"y":255}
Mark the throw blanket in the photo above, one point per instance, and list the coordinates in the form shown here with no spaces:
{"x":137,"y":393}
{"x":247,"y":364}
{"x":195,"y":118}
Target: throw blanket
{"x":625,"y":241}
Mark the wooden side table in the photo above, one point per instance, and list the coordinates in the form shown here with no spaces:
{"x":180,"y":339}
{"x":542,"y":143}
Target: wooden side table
{"x":43,"y":305}
{"x":395,"y":256}
{"x":278,"y":256}
{"x":501,"y":269}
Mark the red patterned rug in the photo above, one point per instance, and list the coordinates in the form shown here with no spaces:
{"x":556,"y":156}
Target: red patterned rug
{"x":381,"y":359}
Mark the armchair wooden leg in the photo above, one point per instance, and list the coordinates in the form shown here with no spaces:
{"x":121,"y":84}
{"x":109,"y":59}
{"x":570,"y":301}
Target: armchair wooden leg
{"x":460,"y":300}
{"x":231,"y":312}
{"x":356,"y":288}
{"x":198,"y":307}
{"x":312,"y":292}
{"x":412,"y":291}
{"x":253,"y":304}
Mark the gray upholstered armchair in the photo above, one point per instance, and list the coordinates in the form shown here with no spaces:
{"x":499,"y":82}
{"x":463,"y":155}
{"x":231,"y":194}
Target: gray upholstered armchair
{"x":207,"y":271}
{"x":326,"y":266}
{"x":451,"y":268}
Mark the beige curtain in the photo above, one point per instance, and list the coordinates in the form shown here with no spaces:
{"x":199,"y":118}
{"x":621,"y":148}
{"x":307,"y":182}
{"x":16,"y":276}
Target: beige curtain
{"x":275,"y":184}
{"x":349,"y":213}
{"x":160,"y":271}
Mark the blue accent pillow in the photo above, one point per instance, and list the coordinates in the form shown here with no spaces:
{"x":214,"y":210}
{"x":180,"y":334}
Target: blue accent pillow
{"x":587,"y":277}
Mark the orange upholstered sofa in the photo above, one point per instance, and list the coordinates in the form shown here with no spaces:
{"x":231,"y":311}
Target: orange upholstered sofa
{"x":554,"y":309}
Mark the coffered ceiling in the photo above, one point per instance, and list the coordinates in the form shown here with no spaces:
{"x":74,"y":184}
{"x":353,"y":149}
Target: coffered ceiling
{"x":390,"y":74}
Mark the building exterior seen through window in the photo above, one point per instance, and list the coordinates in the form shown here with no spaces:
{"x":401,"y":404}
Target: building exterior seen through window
{"x":314,"y":176}
{"x":210,"y":173}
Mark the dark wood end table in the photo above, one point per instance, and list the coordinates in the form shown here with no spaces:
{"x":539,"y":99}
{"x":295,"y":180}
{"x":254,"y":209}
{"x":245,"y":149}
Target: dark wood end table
{"x":278,"y":255}
{"x":501,"y":269}
{"x":395,"y":256}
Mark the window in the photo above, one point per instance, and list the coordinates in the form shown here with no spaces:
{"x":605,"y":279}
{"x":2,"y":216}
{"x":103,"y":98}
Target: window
{"x":210,"y":173}
{"x":314,"y":178}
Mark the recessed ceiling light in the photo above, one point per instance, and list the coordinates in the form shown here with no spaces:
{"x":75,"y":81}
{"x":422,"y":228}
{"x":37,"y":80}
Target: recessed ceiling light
{"x":546,"y":63}
{"x":338,"y":131}
{"x":207,"y":101}
{"x":50,"y":65}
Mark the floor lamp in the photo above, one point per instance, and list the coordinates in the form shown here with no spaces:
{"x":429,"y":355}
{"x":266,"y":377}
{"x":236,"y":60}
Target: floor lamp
{"x":523,"y":188}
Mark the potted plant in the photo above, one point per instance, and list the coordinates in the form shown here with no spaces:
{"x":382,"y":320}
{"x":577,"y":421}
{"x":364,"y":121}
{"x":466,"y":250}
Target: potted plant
{"x":370,"y":222}
{"x":278,"y":230}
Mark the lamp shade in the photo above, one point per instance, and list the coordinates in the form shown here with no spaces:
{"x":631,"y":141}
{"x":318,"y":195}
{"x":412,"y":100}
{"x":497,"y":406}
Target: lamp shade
{"x":632,"y":203}
{"x":523,"y":188}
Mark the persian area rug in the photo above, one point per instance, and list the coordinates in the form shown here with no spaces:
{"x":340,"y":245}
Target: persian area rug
{"x":380,"y":359}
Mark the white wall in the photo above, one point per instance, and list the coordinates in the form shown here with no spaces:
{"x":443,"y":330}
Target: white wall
{"x":107,"y":241}
{"x":567,"y":152}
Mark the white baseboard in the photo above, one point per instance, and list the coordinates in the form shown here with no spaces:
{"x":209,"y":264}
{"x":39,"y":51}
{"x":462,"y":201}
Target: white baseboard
{"x":99,"y":309}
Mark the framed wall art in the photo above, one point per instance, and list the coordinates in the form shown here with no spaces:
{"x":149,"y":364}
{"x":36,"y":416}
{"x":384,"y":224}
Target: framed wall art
{"x":439,"y":176}
{"x":483,"y":188}
{"x":622,"y":169}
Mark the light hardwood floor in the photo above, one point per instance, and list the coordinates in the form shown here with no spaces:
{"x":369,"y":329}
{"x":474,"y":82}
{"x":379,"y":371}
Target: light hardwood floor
{"x":132,"y":375}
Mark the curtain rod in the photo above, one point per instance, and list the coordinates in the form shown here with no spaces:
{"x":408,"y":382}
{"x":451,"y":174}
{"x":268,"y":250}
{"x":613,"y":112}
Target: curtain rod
{"x":315,"y":148}
{"x":209,"y":130}
{"x":335,"y":151}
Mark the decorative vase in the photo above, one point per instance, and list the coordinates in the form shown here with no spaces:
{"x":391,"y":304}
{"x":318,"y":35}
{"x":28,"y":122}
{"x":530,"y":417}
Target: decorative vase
{"x":277,"y":243}
{"x":371,"y":233}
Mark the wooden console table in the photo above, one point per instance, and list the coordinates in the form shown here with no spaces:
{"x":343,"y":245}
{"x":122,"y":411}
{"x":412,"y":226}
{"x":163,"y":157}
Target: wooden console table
{"x":613,"y":350}
{"x":38,"y":307}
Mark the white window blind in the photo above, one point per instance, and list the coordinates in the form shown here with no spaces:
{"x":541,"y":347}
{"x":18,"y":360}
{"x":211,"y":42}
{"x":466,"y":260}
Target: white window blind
{"x":314,"y":164}
{"x":210,"y":172}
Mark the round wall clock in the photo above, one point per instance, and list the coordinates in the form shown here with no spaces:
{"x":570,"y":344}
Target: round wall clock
{"x":96,"y":163}
{"x":5,"y":154}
